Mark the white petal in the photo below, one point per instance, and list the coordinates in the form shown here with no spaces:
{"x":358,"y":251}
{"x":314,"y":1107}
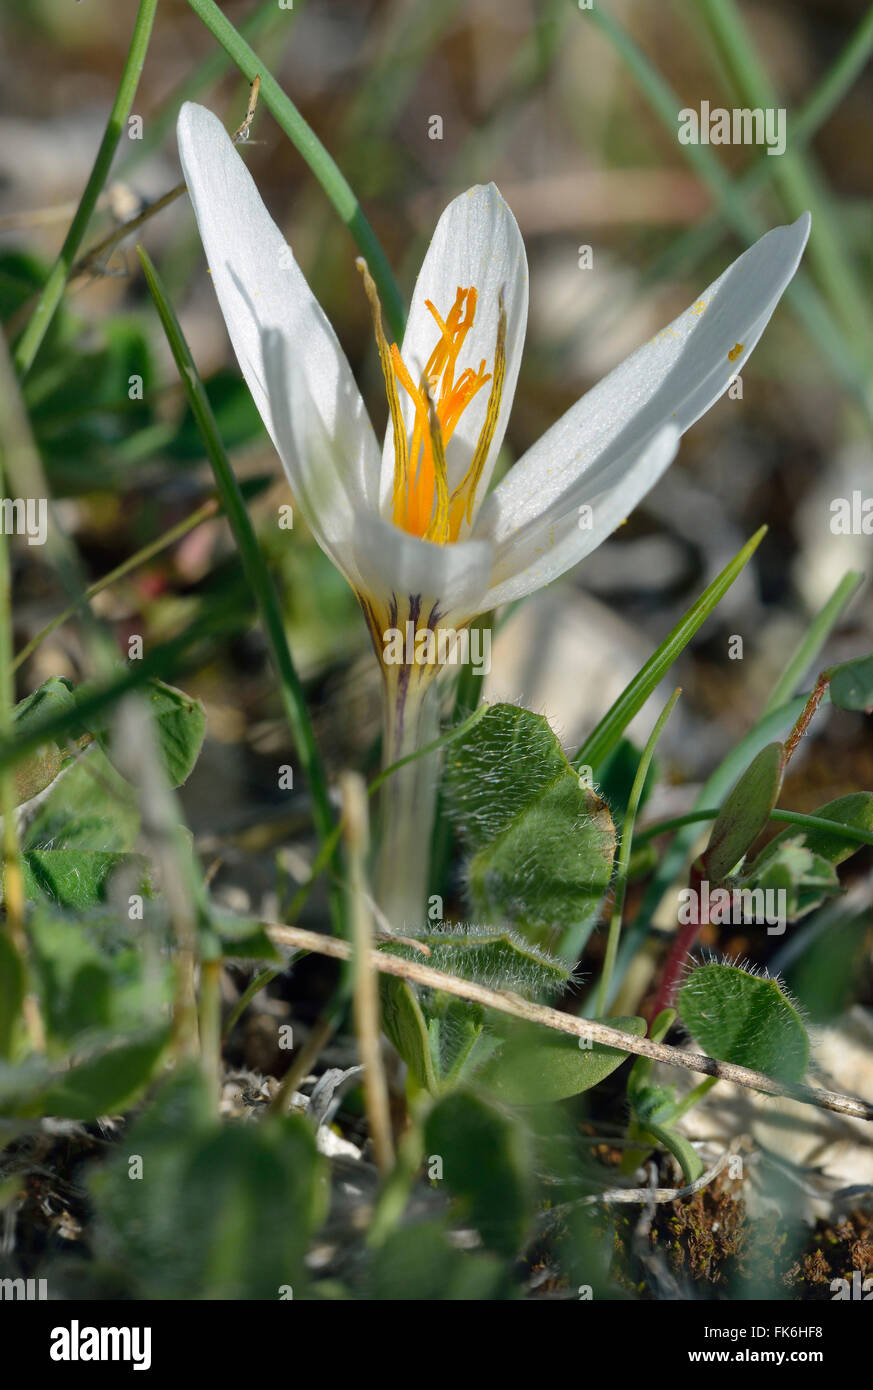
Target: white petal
{"x":317,"y":451}
{"x":545,"y":546}
{"x":261,"y":289}
{"x":476,"y":243}
{"x":445,"y":582}
{"x":675,"y":377}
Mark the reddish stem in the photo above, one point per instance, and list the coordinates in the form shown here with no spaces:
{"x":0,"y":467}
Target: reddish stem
{"x":683,"y":941}
{"x":809,"y":709}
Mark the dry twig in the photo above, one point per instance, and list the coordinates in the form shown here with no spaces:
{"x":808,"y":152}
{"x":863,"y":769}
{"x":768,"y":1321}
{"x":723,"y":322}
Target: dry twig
{"x":298,"y":939}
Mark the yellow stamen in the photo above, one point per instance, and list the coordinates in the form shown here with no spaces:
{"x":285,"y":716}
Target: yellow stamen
{"x":401,"y":446}
{"x":421,"y":503}
{"x":438,"y":530}
{"x":464,"y":494}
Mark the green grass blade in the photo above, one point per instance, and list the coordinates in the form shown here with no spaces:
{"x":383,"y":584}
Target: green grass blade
{"x":840,"y":76}
{"x":11,"y":880}
{"x":813,"y":641}
{"x":771,"y":726}
{"x":713,"y":792}
{"x":634,"y":696}
{"x":307,"y":143}
{"x":50,"y":298}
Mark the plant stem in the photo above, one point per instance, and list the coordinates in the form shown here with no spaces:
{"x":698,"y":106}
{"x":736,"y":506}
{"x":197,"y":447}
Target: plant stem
{"x":693,"y":1098}
{"x":254,"y":987}
{"x":12,"y":876}
{"x":50,"y":297}
{"x":851,"y":832}
{"x":366,"y":990}
{"x":210,"y":1027}
{"x":807,"y":714}
{"x":683,"y":940}
{"x":411,"y":721}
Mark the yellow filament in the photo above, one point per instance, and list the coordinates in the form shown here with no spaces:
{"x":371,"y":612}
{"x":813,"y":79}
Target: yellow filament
{"x":401,"y":455}
{"x":464,"y":495}
{"x":421,"y":502}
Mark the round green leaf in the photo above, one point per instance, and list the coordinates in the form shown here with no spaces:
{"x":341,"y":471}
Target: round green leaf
{"x":542,"y":840}
{"x":744,"y":1019}
{"x":537,"y":1064}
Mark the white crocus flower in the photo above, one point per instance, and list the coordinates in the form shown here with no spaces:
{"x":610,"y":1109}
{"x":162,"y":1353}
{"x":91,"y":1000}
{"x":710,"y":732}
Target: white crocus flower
{"x":410,"y":525}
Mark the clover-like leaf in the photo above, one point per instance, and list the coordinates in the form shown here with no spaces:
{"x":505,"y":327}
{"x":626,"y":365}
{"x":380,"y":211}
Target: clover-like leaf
{"x":219,"y":1211}
{"x":40,"y":768}
{"x":495,"y":957}
{"x":806,"y":879}
{"x":438,"y":1035}
{"x":542,"y":840}
{"x":537,"y":1064}
{"x":745,"y":1019}
{"x":180,"y":726}
{"x":79,"y":878}
{"x":101,"y":1084}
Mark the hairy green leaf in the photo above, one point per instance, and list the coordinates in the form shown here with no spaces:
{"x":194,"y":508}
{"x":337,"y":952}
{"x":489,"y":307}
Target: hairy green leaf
{"x":215,"y":1211}
{"x":744,"y":1019}
{"x":537,"y":1064}
{"x":543,"y":842}
{"x":805,"y":878}
{"x":78,"y":878}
